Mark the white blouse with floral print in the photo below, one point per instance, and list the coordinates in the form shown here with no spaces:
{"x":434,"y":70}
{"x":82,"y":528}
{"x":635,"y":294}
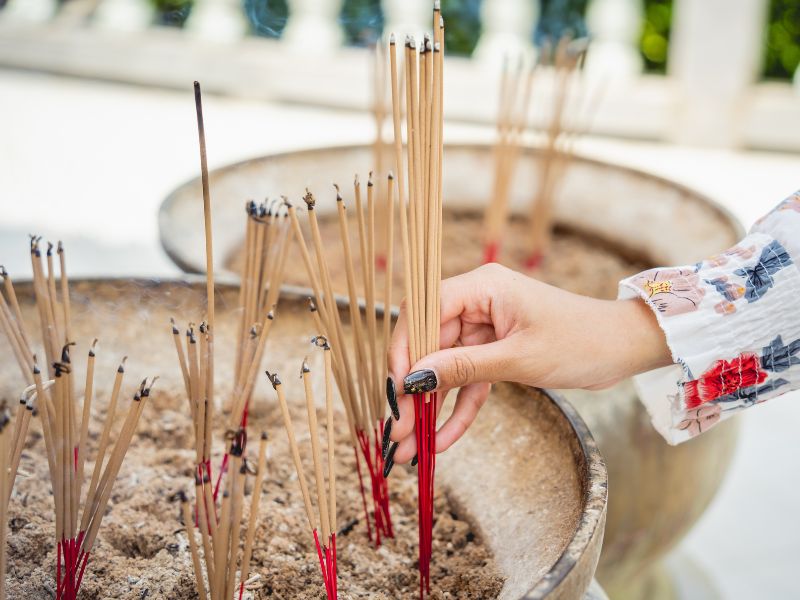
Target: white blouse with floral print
{"x":732,"y":323}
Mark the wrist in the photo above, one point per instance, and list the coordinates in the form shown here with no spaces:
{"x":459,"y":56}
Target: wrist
{"x":642,"y":345}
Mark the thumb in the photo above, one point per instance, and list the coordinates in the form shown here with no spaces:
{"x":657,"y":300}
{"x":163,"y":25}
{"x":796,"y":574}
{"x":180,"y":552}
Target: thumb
{"x":462,"y":365}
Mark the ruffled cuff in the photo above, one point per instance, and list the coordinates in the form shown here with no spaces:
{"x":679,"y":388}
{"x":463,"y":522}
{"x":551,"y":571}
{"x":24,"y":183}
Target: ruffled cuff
{"x":732,"y":327}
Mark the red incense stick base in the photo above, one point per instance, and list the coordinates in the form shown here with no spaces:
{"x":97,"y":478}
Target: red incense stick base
{"x":425,"y":415}
{"x":327,"y":564}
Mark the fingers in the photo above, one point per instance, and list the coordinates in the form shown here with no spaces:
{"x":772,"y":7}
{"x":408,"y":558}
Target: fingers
{"x":462,"y":365}
{"x":469,"y":401}
{"x":407,"y":447}
{"x":398,"y":347}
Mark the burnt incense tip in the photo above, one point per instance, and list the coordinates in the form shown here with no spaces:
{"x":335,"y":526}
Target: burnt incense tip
{"x":59,"y":247}
{"x":305,"y":368}
{"x":437,"y":47}
{"x":369,"y":181}
{"x":273,"y":379}
{"x":392,"y":39}
{"x":264,"y":435}
{"x":65,"y":352}
{"x":271,"y":315}
{"x":311,"y":306}
{"x":5,"y":416}
{"x":36,"y":370}
{"x":3,"y":272}
{"x":437,"y":5}
{"x":356,"y":182}
{"x":309,"y":200}
{"x":197,"y":85}
{"x":181,"y":495}
{"x":49,"y":249}
{"x":390,"y":176}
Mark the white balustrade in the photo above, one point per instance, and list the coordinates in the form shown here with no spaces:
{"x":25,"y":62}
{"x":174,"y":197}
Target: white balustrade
{"x":407,"y":17}
{"x":614,"y":27}
{"x":218,"y":20}
{"x":123,"y":15}
{"x":314,"y":25}
{"x":715,"y":51}
{"x":507,"y":30}
{"x":28,"y":11}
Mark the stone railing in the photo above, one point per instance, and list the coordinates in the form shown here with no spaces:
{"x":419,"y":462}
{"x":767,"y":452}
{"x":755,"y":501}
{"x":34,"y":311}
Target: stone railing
{"x":710,"y":96}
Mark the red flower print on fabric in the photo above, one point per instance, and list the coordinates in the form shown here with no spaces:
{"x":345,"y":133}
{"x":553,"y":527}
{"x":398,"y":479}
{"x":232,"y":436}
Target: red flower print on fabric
{"x":724,"y":377}
{"x":701,"y":419}
{"x":671,"y":291}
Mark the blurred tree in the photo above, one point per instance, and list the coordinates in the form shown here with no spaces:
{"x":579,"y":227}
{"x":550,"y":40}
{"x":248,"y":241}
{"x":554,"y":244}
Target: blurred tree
{"x":462,"y":25}
{"x":654,"y":43}
{"x":783,"y":39}
{"x":267,"y":17}
{"x":559,"y":18}
{"x":362,"y":21}
{"x":172,"y":13}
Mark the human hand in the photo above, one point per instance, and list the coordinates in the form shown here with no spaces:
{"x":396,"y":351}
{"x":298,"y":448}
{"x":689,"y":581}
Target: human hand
{"x":499,"y":325}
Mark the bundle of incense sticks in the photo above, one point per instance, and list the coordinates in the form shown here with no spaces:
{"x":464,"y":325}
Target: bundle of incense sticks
{"x":360,"y":367}
{"x":558,"y":147}
{"x":421,"y":232}
{"x":516,"y":84}
{"x":220,"y":531}
{"x":65,"y":428}
{"x":326,"y":486}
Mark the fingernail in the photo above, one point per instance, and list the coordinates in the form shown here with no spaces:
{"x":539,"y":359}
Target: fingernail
{"x":391,"y":397}
{"x":414,"y":461}
{"x":387,"y":431}
{"x":419,"y":382}
{"x":389,"y":463}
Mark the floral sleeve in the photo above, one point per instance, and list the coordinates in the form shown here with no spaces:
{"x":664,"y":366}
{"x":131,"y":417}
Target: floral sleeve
{"x":732,"y":324}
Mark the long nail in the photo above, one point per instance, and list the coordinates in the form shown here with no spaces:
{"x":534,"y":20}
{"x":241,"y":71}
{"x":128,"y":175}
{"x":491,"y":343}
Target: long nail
{"x":391,"y":398}
{"x":387,"y":431}
{"x":419,"y":382}
{"x":389,"y":463}
{"x":414,"y":461}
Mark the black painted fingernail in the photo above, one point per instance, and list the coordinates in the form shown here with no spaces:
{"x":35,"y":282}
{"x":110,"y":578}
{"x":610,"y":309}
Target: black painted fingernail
{"x":389,"y":463}
{"x":387,"y":431}
{"x":414,"y":461}
{"x":391,"y":398}
{"x":419,"y":382}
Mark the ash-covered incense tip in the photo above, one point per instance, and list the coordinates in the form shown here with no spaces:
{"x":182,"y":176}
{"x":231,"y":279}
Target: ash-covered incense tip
{"x":309,"y":200}
{"x":5,"y":416}
{"x":3,"y":272}
{"x":36,"y":370}
{"x":369,"y":181}
{"x":390,"y":176}
{"x":311,"y":306}
{"x":273,"y":379}
{"x":271,"y":315}
{"x":286,"y":202}
{"x":59,"y":247}
{"x":49,"y":249}
{"x":392,"y":39}
{"x":305,"y":368}
{"x":437,"y":47}
{"x":356,"y":182}
{"x":437,"y":5}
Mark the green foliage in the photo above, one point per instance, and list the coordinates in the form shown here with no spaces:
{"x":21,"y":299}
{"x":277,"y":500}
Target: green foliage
{"x":267,"y":17}
{"x":783,"y":39}
{"x":462,"y":25}
{"x":654,"y":43}
{"x":172,"y":12}
{"x":362,"y":21}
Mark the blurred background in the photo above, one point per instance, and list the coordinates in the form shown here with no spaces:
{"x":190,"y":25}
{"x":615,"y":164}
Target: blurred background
{"x":97,"y":126}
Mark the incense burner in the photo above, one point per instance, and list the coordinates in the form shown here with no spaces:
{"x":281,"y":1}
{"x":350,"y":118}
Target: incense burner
{"x":529,"y":479}
{"x":616,"y":207}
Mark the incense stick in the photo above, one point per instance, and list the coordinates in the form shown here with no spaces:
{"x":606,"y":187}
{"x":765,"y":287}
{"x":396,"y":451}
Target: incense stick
{"x":420,"y":228}
{"x":325,"y":514}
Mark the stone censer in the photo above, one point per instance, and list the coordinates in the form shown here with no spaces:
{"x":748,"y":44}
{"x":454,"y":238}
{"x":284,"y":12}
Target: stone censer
{"x":657,"y":492}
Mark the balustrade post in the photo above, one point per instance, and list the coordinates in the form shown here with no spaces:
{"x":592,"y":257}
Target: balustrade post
{"x":507,"y":30}
{"x":407,"y":17}
{"x":28,"y":11}
{"x":615,"y":27}
{"x":715,"y":51}
{"x":123,"y":15}
{"x":218,"y":20}
{"x":314,"y":24}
